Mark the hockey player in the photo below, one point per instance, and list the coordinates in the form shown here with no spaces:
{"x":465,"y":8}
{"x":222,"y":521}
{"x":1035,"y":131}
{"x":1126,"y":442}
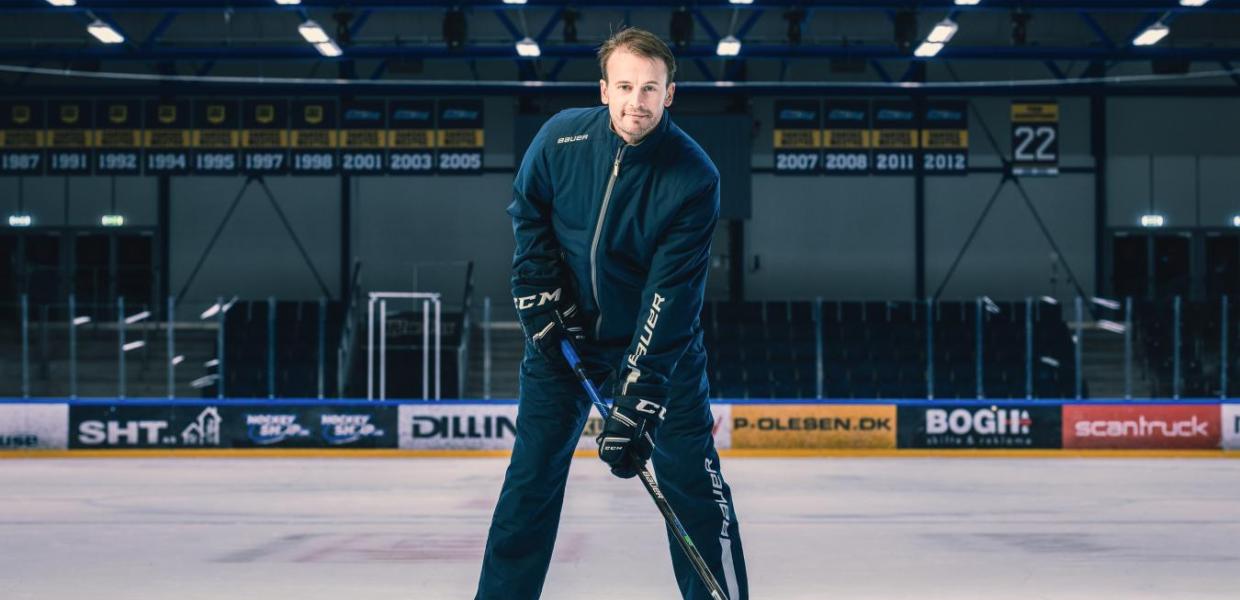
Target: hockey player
{"x":614,"y":210}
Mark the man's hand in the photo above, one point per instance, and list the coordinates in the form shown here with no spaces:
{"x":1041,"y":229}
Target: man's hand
{"x":560,"y":324}
{"x":628,"y":434}
{"x":547,"y":317}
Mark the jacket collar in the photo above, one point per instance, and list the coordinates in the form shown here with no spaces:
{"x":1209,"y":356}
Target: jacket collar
{"x":647,"y":145}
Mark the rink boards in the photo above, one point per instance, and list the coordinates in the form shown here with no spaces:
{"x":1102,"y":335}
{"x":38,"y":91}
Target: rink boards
{"x":768,"y":427}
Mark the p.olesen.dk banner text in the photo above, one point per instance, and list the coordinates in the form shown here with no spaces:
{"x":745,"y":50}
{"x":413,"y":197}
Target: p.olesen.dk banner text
{"x":817,"y":426}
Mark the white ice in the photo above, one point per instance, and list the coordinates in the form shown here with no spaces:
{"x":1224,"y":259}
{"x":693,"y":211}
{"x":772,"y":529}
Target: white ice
{"x":855,"y":528}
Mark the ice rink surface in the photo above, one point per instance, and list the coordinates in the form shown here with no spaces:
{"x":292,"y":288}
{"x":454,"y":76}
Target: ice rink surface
{"x":823,"y":528}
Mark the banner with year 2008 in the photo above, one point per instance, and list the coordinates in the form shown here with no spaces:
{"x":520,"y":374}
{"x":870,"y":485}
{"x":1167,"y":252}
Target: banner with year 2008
{"x":846,"y":137}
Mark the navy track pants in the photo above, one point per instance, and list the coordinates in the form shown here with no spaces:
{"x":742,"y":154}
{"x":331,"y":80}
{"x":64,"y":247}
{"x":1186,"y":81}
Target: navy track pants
{"x":552,"y":412}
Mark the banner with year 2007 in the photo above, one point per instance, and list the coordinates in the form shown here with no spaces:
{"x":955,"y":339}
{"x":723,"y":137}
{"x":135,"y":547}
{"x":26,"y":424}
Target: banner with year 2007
{"x":796,"y":139}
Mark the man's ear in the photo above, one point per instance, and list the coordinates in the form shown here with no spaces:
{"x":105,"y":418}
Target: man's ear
{"x":602,"y":90}
{"x":671,"y":91}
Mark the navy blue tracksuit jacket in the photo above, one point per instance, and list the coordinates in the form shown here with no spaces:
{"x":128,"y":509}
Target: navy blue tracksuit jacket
{"x":626,"y":229}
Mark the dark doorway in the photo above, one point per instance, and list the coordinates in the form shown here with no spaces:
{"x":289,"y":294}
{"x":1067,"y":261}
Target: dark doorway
{"x":1172,"y":268}
{"x":1130,"y":269}
{"x":1223,"y":264}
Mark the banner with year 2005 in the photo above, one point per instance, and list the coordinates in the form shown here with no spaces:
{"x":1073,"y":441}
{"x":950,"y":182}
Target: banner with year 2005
{"x":460,"y":137}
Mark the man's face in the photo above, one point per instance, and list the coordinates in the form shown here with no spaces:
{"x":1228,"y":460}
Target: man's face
{"x":635,"y":92}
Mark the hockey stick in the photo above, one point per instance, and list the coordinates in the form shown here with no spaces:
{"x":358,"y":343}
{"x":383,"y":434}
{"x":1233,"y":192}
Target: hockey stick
{"x":652,"y":486}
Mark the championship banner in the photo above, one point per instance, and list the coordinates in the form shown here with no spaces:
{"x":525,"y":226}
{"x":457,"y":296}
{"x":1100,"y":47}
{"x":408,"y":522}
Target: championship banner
{"x":34,"y":426}
{"x":22,"y":137}
{"x":801,"y":426}
{"x":1035,"y":137}
{"x":894,"y":138}
{"x":797,"y":139}
{"x":70,"y":137}
{"x":1231,"y":426}
{"x":363,"y":137}
{"x":314,"y":137}
{"x":945,"y":137}
{"x":972,"y":426}
{"x":264,"y":136}
{"x":460,"y":137}
{"x":118,"y":137}
{"x":846,"y":137}
{"x":411,"y":137}
{"x":216,"y":137}
{"x":722,"y":430}
{"x":1143,"y":427}
{"x":457,"y":426}
{"x":167,"y":137}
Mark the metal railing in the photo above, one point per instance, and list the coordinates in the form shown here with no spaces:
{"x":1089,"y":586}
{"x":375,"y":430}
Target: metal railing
{"x":1166,"y":348}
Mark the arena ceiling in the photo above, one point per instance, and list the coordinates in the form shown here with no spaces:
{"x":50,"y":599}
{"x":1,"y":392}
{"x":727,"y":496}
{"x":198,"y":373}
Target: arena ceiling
{"x":852,"y":41}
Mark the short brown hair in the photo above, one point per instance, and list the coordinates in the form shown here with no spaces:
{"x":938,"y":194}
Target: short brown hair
{"x":639,"y":42}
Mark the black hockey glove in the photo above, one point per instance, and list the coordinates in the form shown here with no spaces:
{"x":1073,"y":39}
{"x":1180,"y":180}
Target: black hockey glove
{"x":547,"y":317}
{"x":628,"y":434}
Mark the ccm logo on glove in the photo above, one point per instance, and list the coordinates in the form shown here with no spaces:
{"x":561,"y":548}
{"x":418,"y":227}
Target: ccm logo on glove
{"x":524,"y":302}
{"x":649,"y":407}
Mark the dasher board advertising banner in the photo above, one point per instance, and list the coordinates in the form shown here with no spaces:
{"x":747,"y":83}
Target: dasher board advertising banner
{"x":1143,"y":427}
{"x":979,"y":426}
{"x":34,"y":426}
{"x":1231,"y":426}
{"x":813,"y":426}
{"x":457,"y":426}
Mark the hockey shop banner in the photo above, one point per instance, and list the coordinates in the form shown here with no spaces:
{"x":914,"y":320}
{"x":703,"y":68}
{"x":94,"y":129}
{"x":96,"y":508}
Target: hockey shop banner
{"x":34,"y":427}
{"x":1231,"y":426}
{"x":1145,"y":427}
{"x":797,"y":426}
{"x":142,"y":426}
{"x":312,"y":426}
{"x":973,"y":426}
{"x":722,"y":429}
{"x":457,"y":426}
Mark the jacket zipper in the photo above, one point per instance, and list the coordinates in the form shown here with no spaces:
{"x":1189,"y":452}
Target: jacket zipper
{"x":598,"y":230}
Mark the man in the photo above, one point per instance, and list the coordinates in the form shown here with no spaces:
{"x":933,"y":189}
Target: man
{"x":614,"y":210}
